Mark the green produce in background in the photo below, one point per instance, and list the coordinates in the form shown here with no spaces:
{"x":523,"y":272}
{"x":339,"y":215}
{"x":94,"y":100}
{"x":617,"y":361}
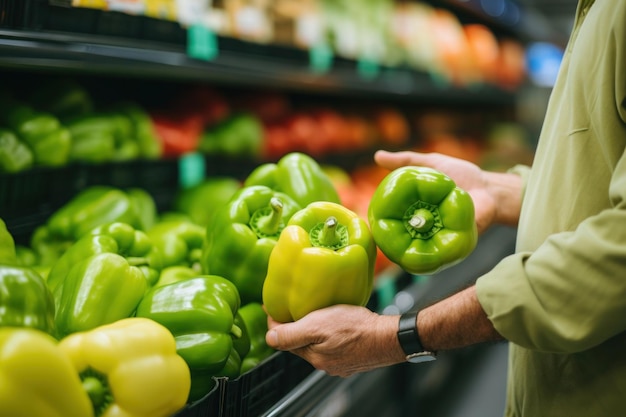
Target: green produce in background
{"x":242,"y":236}
{"x":241,"y":346}
{"x":200,"y":313}
{"x":325,"y":256}
{"x":65,"y":98}
{"x":38,"y":378}
{"x":25,"y":300}
{"x":297,"y":175}
{"x":92,"y":207}
{"x":143,"y":131}
{"x":144,"y":207}
{"x":180,"y":242}
{"x":254,"y":319}
{"x":172,"y":274}
{"x":102,"y":136}
{"x":421,"y":220}
{"x":102,"y":277}
{"x":203,"y":200}
{"x":7,"y":246}
{"x":239,"y":135}
{"x":47,"y":138}
{"x":15,"y":155}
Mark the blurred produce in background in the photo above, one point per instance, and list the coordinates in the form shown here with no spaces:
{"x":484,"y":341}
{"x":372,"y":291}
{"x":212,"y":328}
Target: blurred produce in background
{"x":393,"y":33}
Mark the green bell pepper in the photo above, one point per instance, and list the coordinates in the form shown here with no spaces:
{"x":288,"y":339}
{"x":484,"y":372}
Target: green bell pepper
{"x":171,"y":274}
{"x":297,"y":175}
{"x":92,"y":207}
{"x":102,"y":277}
{"x":254,"y":318}
{"x":203,"y":200}
{"x":65,"y":98}
{"x":239,"y":135}
{"x":179,"y":241}
{"x":143,"y":131}
{"x":44,"y":134}
{"x":242,"y":236}
{"x":15,"y":155}
{"x":102,"y":136}
{"x":144,"y":207}
{"x":200,"y":313}
{"x":421,"y":220}
{"x":25,"y":300}
{"x":8,"y":255}
{"x":324,"y":256}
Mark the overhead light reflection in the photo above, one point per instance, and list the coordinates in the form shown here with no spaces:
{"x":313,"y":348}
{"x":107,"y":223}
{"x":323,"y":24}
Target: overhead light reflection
{"x":494,"y":8}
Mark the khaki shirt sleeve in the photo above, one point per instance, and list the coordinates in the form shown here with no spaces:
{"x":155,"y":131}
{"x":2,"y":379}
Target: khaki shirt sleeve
{"x":568,"y":294}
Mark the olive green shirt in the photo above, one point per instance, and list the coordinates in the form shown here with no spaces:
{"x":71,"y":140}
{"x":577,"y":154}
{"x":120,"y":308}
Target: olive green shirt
{"x":561,"y":298}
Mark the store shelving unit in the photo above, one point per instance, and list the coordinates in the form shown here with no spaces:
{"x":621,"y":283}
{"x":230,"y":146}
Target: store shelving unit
{"x":33,"y":51}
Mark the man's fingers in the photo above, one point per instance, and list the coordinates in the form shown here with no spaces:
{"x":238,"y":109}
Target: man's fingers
{"x":393,"y":160}
{"x":285,"y":337}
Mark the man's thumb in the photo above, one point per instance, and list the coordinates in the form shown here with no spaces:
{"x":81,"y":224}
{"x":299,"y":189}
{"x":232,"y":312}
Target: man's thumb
{"x":284,"y":337}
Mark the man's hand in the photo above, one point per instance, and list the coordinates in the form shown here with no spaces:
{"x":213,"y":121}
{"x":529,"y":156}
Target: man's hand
{"x":496,"y":196}
{"x":341,"y":340}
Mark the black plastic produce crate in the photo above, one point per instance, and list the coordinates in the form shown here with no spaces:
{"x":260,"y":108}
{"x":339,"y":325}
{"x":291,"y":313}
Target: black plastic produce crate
{"x":28,"y":198}
{"x":256,"y":391}
{"x":253,"y":393}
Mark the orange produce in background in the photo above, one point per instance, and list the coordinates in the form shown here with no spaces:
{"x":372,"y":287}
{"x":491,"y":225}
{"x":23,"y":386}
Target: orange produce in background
{"x":512,"y":64}
{"x":452,"y":46}
{"x":484,"y":49}
{"x":392,"y":127}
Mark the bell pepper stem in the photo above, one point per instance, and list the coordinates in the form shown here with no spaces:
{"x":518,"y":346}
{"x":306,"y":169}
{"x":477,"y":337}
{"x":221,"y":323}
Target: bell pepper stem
{"x":236,"y":331}
{"x":137,"y":261}
{"x":422,"y":220}
{"x":329,"y":234}
{"x":267,"y":222}
{"x":97,"y":388}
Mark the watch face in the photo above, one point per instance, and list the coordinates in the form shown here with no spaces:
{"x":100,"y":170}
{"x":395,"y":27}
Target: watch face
{"x":421,"y":357}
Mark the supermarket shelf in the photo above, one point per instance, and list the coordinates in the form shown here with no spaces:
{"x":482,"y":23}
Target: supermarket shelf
{"x":509,"y":17}
{"x":238,"y":63}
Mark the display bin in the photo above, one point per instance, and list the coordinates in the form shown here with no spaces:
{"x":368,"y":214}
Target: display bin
{"x":257,"y":390}
{"x":28,"y":198}
{"x":208,"y":405}
{"x":254,"y":392}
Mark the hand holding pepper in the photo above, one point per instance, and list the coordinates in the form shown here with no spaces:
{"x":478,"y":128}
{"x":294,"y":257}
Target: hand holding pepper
{"x":341,"y":340}
{"x":491,"y":207}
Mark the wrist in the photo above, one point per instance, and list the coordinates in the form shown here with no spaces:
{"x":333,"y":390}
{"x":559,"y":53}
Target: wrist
{"x":410,"y":341}
{"x":506,"y":191}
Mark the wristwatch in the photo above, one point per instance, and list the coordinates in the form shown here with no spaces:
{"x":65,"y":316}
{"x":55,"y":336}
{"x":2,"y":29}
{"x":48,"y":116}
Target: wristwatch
{"x":410,"y":341}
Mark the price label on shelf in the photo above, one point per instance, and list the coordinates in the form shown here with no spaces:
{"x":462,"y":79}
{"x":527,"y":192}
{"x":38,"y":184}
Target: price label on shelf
{"x":191,"y":169}
{"x":367,"y":67}
{"x":201,"y":43}
{"x":320,"y":58}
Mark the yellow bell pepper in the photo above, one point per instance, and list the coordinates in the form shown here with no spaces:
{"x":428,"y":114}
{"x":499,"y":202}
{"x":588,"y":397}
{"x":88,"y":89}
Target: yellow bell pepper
{"x":37,"y":379}
{"x":130,"y":368}
{"x":324,"y":256}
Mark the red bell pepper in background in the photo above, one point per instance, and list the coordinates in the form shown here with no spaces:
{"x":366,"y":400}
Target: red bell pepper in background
{"x":178,"y":133}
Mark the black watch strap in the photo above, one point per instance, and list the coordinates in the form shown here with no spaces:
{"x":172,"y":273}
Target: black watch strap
{"x":407,"y":333}
{"x":409,"y":339}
